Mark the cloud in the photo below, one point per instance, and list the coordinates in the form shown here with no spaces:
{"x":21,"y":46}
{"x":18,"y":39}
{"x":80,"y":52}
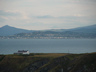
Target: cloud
{"x":41,"y":14}
{"x":2,"y":19}
{"x":8,"y":13}
{"x":45,"y":16}
{"x":57,"y":17}
{"x":7,"y":17}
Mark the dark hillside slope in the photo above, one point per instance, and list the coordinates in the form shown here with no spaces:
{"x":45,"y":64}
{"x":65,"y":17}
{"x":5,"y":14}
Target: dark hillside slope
{"x":8,"y":30}
{"x":86,"y":29}
{"x":67,"y":63}
{"x":51,"y":34}
{"x":85,"y":63}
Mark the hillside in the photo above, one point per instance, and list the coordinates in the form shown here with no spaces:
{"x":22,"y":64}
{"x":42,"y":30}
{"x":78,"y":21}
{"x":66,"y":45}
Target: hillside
{"x":55,"y":35}
{"x":86,"y":29}
{"x":8,"y":30}
{"x":48,"y":63}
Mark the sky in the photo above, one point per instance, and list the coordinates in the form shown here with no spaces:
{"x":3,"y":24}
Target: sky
{"x":47,"y":14}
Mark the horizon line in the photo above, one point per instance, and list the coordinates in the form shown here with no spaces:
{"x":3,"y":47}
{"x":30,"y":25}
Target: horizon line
{"x":47,"y":29}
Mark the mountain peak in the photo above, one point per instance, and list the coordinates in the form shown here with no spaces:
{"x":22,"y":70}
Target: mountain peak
{"x":6,"y":26}
{"x":9,"y":30}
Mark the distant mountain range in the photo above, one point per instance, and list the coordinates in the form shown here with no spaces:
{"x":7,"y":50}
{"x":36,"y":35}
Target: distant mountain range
{"x":85,"y":29}
{"x":8,"y":30}
{"x":80,"y":32}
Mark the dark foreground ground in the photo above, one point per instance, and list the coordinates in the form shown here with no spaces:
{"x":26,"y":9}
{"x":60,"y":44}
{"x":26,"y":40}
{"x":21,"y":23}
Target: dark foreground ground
{"x":52,"y":62}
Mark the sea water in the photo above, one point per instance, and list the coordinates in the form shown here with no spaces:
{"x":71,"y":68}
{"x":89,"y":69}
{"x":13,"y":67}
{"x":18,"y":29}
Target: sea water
{"x":9,"y":46}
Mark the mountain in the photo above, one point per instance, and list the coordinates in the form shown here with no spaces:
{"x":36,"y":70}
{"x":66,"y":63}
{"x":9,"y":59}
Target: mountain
{"x":86,"y":29}
{"x":8,"y":30}
{"x":80,"y":32}
{"x":53,"y":35}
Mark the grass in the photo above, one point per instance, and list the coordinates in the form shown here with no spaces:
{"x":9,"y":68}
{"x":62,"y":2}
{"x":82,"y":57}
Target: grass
{"x":1,"y":57}
{"x":72,"y":56}
{"x":19,"y":62}
{"x":16,"y":63}
{"x":54,"y":55}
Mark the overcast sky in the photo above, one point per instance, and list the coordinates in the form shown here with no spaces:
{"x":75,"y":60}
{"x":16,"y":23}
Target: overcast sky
{"x":47,"y":14}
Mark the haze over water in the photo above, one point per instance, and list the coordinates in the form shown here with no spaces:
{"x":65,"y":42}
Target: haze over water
{"x":9,"y":46}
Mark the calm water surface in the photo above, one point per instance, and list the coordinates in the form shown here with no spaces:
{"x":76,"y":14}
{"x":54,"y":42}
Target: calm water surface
{"x":9,"y":46}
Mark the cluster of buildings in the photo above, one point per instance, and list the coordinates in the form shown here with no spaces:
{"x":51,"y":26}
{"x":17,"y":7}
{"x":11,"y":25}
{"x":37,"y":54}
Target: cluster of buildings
{"x":23,"y":52}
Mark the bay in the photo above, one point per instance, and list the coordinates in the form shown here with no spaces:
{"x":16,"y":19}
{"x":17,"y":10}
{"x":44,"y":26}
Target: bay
{"x":9,"y":46}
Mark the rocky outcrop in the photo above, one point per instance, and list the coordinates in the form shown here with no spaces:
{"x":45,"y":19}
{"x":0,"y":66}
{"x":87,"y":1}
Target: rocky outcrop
{"x":60,"y":61}
{"x":86,"y":63}
{"x":34,"y":66}
{"x":82,"y":63}
{"x":68,"y":63}
{"x":47,"y":65}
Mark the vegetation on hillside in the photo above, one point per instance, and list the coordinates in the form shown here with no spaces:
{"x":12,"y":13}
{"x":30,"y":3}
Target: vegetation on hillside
{"x":51,"y":62}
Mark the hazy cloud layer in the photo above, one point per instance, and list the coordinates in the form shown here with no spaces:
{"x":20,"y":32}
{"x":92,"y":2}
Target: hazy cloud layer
{"x":8,"y":13}
{"x":47,"y":14}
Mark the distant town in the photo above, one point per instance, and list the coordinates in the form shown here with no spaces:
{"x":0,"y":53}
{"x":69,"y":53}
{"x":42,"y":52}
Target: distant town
{"x":50,"y":35}
{"x":8,"y":32}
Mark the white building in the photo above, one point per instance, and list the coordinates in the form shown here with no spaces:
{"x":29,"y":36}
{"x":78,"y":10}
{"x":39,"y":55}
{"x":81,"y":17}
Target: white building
{"x":22,"y":52}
